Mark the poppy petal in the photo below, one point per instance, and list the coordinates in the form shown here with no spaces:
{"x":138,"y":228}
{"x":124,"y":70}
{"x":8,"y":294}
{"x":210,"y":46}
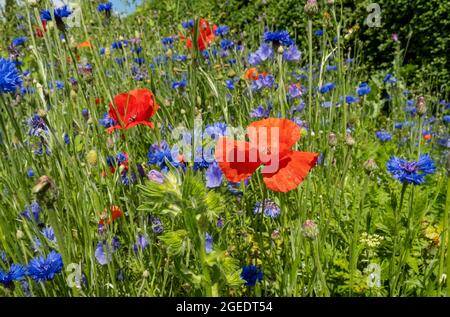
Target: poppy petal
{"x":235,"y":159}
{"x":261,"y":132}
{"x":291,"y":172}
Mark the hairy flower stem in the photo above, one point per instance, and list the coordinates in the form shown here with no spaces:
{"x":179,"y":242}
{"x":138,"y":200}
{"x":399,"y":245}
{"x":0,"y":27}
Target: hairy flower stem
{"x":397,"y":217}
{"x":310,"y":75}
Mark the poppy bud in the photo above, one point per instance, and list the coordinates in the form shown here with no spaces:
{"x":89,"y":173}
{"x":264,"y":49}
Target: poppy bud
{"x":332,"y":139}
{"x":421,"y":106}
{"x":310,"y":229}
{"x":370,"y":165}
{"x":311,"y":8}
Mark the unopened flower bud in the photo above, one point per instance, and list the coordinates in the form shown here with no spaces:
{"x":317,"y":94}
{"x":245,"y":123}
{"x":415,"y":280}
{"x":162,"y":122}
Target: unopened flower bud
{"x":370,"y":165}
{"x":421,"y":106}
{"x":310,"y":229}
{"x":349,"y":140}
{"x":19,"y":234}
{"x":311,"y":8}
{"x":332,"y":139}
{"x":280,"y":49}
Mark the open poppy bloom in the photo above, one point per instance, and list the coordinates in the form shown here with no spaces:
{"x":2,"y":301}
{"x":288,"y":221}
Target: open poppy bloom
{"x":115,"y":214}
{"x":85,"y":44}
{"x":270,"y":145}
{"x":251,"y":74}
{"x":206,"y":35}
{"x":132,"y":108}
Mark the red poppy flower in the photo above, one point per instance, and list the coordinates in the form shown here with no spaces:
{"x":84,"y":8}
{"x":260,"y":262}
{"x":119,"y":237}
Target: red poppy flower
{"x":132,"y":108}
{"x":115,"y":214}
{"x":251,"y":74}
{"x":270,"y":146}
{"x":206,"y":35}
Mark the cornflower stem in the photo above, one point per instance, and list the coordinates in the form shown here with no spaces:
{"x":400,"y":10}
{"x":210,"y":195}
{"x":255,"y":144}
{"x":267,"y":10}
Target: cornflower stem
{"x":353,"y":249}
{"x":397,"y":216}
{"x":310,"y":75}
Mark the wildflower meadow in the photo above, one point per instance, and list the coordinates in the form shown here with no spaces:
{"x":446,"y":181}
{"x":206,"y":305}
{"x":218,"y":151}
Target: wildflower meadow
{"x":143,"y":156}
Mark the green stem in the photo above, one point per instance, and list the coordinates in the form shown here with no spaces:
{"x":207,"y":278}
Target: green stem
{"x":310,"y":76}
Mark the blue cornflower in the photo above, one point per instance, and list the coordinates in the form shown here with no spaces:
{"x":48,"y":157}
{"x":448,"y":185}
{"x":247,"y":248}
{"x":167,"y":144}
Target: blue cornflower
{"x":117,"y":45}
{"x":383,"y":136}
{"x":318,"y":33}
{"x":327,"y":87}
{"x":214,"y":176}
{"x":103,"y":250}
{"x":278,"y":38}
{"x":167,"y":40}
{"x":157,"y":226}
{"x":102,"y":51}
{"x":159,"y":153}
{"x":331,"y":68}
{"x":271,"y":209}
{"x":411,"y":172}
{"x":251,"y":274}
{"x":107,"y":121}
{"x":44,"y":269}
{"x":261,"y":112}
{"x":221,"y":30}
{"x":263,"y":53}
{"x":208,"y":243}
{"x":179,"y":84}
{"x":263,"y":81}
{"x":297,"y":108}
{"x":16,"y":273}
{"x":66,"y":139}
{"x":226,"y":44}
{"x":104,"y":7}
{"x":49,"y":233}
{"x":292,"y":54}
{"x":390,"y":79}
{"x":59,"y":13}
{"x":363,"y":89}
{"x":188,"y":24}
{"x":446,"y":119}
{"x":30,"y":172}
{"x":10,"y":78}
{"x":230,"y":84}
{"x":17,"y":41}
{"x":141,"y":243}
{"x":32,"y":210}
{"x":179,"y":58}
{"x":295,"y":91}
{"x":351,"y":99}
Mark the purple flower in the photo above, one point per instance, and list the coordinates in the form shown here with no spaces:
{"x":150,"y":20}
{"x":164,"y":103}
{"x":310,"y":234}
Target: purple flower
{"x":292,"y":54}
{"x":214,"y":176}
{"x":156,"y":176}
{"x":208,"y":243}
{"x":141,"y":243}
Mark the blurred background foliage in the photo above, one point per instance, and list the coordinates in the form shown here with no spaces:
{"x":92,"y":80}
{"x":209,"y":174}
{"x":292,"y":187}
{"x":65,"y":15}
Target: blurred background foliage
{"x":423,"y":27}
